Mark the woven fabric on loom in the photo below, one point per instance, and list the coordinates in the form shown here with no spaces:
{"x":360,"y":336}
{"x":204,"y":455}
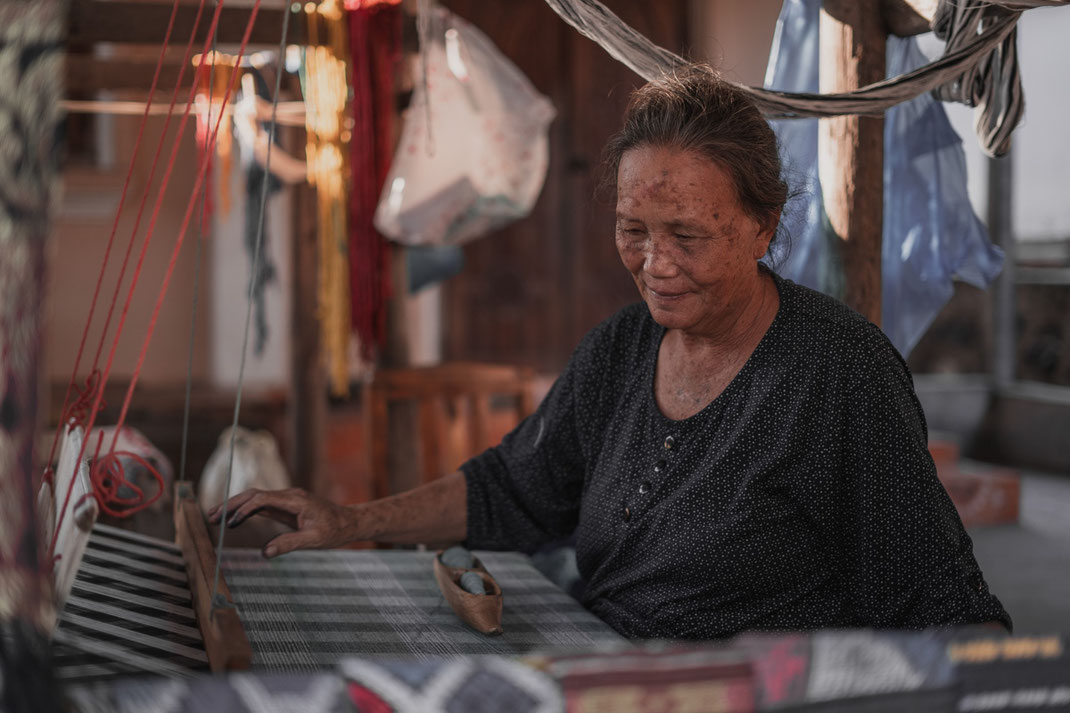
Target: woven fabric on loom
{"x":309,"y":609}
{"x":129,"y":611}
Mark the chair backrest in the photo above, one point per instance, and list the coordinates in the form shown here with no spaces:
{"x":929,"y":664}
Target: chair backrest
{"x":455,"y":411}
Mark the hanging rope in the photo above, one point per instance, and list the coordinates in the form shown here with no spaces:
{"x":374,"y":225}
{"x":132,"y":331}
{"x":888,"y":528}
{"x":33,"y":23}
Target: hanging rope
{"x":258,"y":249}
{"x":979,"y":57}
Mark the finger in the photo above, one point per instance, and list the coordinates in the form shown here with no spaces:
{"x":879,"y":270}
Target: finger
{"x":232,"y":504}
{"x":290,"y":541}
{"x":286,"y":518}
{"x":283,"y":501}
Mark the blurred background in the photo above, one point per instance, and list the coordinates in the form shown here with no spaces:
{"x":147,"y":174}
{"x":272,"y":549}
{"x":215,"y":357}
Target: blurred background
{"x":992,"y":370}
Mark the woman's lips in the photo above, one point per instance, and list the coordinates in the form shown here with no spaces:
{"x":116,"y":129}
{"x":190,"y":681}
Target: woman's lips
{"x":664,"y":295}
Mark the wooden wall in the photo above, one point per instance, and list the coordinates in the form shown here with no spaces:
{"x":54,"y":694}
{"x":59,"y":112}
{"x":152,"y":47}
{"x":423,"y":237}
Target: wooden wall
{"x":528,"y":293}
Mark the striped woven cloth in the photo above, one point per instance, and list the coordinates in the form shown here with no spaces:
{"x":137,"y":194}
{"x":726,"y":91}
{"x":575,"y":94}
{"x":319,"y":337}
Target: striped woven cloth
{"x":309,"y":609}
{"x":130,"y":609}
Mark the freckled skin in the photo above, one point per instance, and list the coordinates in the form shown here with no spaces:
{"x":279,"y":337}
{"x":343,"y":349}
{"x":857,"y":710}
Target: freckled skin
{"x":681,"y":231}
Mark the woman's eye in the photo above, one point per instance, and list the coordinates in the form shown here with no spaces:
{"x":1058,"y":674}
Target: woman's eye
{"x":680,"y":236}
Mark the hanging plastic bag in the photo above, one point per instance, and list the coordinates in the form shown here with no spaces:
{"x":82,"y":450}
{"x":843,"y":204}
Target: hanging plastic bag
{"x":931,"y":233}
{"x":475,"y":158}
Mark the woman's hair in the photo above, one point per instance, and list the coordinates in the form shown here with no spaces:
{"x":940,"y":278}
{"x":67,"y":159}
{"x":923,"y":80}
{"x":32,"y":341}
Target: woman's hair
{"x":693,"y":109}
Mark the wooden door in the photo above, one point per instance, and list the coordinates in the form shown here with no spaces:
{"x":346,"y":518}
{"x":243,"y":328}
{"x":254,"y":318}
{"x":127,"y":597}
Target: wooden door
{"x":528,"y":293}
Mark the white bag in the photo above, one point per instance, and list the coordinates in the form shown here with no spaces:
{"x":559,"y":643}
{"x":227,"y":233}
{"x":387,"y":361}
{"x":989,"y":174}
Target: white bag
{"x":257,"y":464}
{"x":484,"y":161}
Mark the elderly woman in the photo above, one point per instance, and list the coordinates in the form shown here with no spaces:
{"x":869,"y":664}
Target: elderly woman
{"x":736,"y":452}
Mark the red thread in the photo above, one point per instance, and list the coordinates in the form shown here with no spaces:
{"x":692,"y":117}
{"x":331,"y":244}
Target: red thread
{"x":114,"y":230}
{"x":163,"y":187}
{"x":78,"y":411}
{"x":108,"y":475}
{"x":189,"y":212}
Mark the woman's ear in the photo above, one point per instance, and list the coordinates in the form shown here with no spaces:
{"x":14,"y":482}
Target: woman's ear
{"x":765,"y":234}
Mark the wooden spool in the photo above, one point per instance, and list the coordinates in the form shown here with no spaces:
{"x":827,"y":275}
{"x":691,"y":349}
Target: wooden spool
{"x":482,"y":612}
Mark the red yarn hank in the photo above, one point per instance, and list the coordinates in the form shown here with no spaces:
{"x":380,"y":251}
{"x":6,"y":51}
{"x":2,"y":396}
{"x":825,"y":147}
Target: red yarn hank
{"x":375,"y":47}
{"x":108,"y":476}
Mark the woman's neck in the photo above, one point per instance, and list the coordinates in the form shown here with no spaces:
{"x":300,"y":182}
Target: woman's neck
{"x":742,"y":332}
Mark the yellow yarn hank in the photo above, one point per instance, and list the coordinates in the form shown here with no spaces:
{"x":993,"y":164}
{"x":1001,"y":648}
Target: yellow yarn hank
{"x":326,"y":152}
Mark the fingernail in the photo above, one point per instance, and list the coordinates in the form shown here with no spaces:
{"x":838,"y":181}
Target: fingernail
{"x":234,"y":522}
{"x":270,"y":551}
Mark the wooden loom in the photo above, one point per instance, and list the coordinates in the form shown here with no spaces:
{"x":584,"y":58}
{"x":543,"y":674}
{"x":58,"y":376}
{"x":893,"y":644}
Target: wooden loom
{"x":225,"y":641}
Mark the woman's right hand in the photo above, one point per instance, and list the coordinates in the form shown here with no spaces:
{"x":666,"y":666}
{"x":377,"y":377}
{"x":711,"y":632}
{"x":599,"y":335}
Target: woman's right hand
{"x":317,"y":523}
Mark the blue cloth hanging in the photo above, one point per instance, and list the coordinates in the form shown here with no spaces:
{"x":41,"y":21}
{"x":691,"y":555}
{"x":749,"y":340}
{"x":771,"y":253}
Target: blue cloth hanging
{"x":931,"y":233}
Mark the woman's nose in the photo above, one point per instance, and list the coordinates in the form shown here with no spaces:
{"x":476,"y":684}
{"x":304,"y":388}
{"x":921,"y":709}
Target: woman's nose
{"x":658,"y":260}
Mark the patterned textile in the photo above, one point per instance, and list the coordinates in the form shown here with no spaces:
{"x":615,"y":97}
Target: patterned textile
{"x":31,"y":76}
{"x":656,"y":679}
{"x":1011,"y":674}
{"x":235,"y":693}
{"x":129,"y":611}
{"x":455,"y":685}
{"x":309,"y":609}
{"x":851,"y":671}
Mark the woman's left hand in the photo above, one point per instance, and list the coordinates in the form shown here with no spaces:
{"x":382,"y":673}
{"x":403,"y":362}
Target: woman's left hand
{"x":317,"y":523}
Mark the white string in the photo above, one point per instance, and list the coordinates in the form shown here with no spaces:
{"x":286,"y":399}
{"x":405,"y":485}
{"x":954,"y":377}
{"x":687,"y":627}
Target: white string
{"x":217,"y":601}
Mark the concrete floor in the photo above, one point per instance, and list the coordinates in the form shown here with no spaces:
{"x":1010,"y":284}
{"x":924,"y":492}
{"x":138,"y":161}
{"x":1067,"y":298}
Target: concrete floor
{"x":1028,"y":565}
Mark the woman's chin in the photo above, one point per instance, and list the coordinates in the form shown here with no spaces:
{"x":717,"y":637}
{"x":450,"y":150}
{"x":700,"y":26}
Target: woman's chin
{"x":670,"y":316}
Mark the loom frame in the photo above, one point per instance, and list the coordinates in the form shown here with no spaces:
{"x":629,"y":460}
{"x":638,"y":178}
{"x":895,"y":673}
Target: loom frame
{"x":225,"y":641}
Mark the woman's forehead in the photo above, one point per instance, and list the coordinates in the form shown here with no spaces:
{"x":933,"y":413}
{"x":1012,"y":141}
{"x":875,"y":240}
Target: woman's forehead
{"x":653,"y":168}
{"x":674,"y":184}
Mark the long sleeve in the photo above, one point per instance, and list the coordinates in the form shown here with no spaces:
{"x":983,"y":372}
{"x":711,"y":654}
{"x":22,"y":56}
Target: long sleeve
{"x":909,"y":560}
{"x":526,"y":491}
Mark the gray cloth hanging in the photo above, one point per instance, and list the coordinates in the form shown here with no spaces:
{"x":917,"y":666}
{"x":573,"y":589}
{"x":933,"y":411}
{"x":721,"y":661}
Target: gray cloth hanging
{"x":979,"y":65}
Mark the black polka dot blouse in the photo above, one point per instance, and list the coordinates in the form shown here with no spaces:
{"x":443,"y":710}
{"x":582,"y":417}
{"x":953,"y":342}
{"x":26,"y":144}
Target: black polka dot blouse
{"x":802,"y":497}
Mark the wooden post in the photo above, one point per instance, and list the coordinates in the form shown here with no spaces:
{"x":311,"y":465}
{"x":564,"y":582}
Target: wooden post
{"x":851,"y":148}
{"x":308,"y":412}
{"x":1000,"y":227}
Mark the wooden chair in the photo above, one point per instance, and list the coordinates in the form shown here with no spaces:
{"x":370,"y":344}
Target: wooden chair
{"x":453,"y":412}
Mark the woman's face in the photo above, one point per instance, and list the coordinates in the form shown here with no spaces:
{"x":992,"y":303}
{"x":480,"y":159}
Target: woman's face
{"x":683,"y":235}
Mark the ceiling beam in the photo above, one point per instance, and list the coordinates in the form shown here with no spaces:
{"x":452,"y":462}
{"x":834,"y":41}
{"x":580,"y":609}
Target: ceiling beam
{"x":132,"y":22}
{"x":89,"y":74}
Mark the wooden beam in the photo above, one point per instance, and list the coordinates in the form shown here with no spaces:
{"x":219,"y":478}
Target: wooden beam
{"x":91,"y":74}
{"x":906,"y":18}
{"x":224,"y":638}
{"x":308,"y":412}
{"x":131,"y":22}
{"x":851,"y":148}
